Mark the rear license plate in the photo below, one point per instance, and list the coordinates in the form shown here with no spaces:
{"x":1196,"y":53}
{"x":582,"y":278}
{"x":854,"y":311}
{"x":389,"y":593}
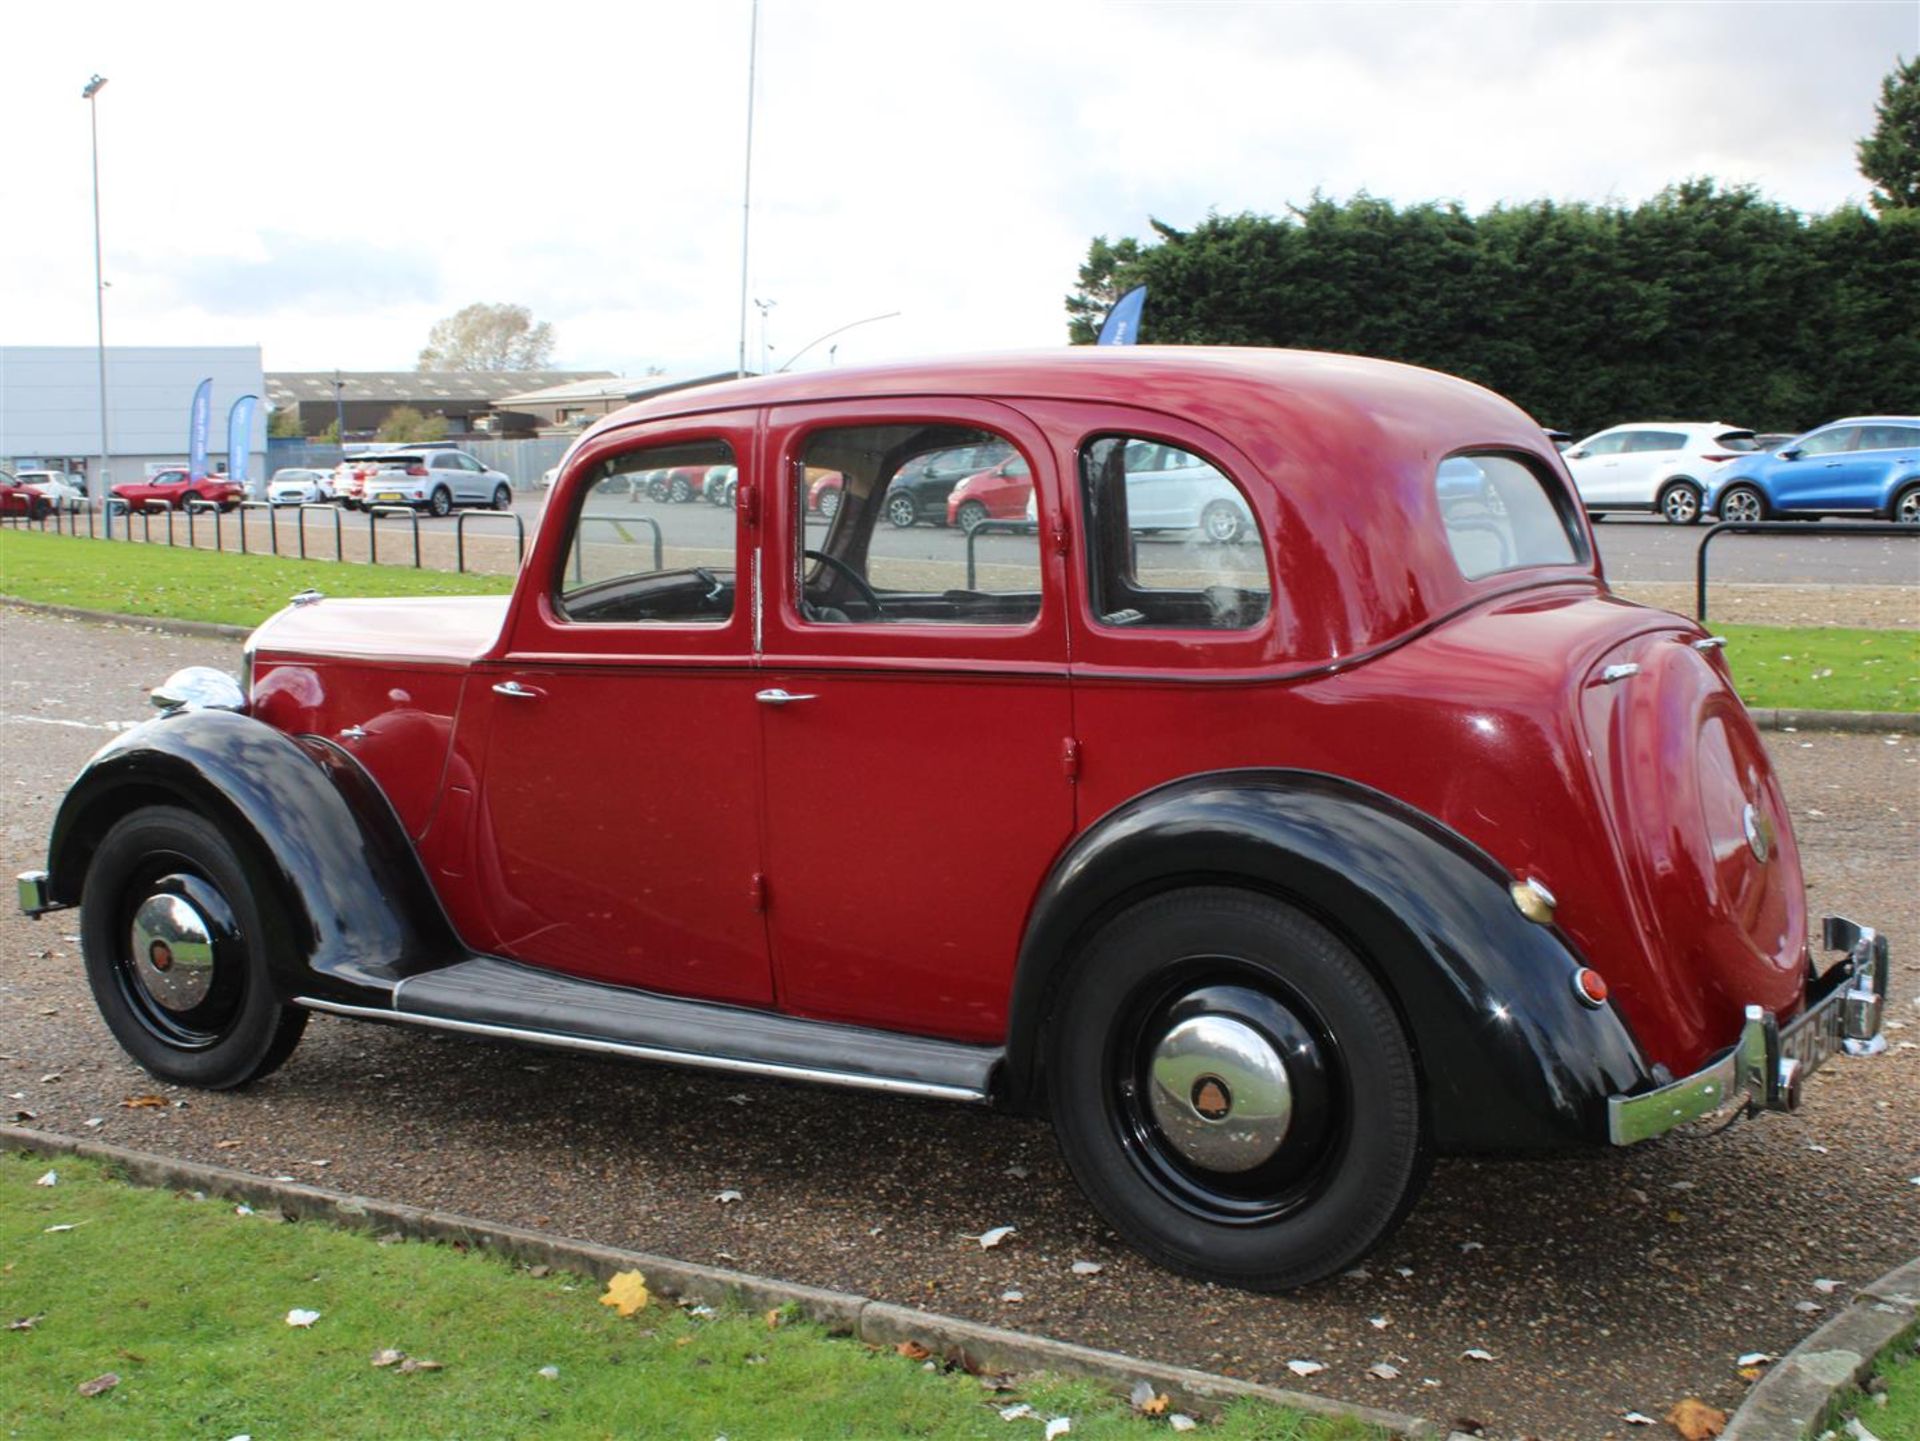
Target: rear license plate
{"x":1817,"y":1035}
{"x":389,"y":495}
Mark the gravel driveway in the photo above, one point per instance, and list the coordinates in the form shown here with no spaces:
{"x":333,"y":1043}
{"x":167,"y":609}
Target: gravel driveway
{"x":1599,"y":1284}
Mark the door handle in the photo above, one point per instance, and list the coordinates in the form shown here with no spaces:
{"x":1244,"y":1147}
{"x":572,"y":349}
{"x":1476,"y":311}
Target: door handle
{"x":517,"y":691}
{"x":776,"y":696}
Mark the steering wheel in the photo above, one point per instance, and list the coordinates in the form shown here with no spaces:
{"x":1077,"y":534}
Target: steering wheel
{"x":852,"y":577}
{"x":708,"y":578}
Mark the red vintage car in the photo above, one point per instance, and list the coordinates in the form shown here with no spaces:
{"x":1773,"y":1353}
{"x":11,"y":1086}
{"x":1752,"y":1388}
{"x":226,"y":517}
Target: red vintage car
{"x":178,"y":489}
{"x":1267,"y":870}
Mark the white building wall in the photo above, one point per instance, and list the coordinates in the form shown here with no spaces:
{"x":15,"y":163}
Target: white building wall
{"x":50,"y":402}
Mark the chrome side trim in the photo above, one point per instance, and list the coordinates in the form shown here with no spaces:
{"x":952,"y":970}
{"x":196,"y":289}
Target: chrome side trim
{"x":775,"y":1070}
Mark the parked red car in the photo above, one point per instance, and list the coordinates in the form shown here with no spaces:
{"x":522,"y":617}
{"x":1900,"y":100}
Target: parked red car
{"x":179,"y":489}
{"x":1267,"y":870}
{"x":20,"y":499}
{"x":997,"y":494}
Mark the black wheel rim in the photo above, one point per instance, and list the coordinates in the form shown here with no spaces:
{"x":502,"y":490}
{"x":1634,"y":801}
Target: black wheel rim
{"x":179,"y":961}
{"x":1287,"y":1163}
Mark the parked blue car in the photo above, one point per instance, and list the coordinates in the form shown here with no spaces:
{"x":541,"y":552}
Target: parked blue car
{"x":1868,"y":464}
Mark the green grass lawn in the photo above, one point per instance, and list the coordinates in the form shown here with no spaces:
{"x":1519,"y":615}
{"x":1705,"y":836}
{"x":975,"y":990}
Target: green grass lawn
{"x":186,"y":1301}
{"x":1775,"y":667}
{"x":1900,"y":1417}
{"x":181,"y":584}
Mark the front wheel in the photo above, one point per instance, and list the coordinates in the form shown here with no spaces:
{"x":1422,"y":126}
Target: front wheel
{"x":440,"y":502}
{"x":969,"y":516}
{"x":502,"y":498}
{"x":1221,"y":522}
{"x":680,"y":491}
{"x":1680,"y":503}
{"x":1744,"y":504}
{"x":1233,"y":1091}
{"x":174,"y":939}
{"x":1906,"y":506}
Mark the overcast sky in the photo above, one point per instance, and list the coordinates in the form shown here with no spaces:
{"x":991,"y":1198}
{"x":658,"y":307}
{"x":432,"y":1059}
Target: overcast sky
{"x":329,"y":180}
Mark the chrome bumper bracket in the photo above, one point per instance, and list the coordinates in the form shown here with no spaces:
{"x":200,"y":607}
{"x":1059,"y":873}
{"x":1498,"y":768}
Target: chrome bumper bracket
{"x":35,"y":897}
{"x":1770,"y":1063}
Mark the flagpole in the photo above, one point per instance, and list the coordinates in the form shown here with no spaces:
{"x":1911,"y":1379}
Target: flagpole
{"x":746,"y":183}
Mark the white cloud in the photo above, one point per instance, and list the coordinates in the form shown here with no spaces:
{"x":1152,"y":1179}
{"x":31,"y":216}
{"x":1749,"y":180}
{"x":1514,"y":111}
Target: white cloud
{"x":328,"y":187}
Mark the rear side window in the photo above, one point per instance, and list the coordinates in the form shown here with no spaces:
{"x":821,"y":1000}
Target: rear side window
{"x":1646,"y":441}
{"x":1500,"y":516}
{"x":1171,"y":540}
{"x":1888,"y":437}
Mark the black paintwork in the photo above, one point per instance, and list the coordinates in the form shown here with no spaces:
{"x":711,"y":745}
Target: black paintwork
{"x":493,"y":992}
{"x":312,"y":828}
{"x":1427,"y":909}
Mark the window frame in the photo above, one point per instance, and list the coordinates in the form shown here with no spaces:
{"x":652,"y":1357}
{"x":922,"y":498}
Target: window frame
{"x":1566,"y":506}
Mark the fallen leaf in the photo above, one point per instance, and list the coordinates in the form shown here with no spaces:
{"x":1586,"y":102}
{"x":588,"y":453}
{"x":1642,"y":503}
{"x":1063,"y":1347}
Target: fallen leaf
{"x":1016,"y":1411}
{"x":1383,"y":1371}
{"x":1306,"y":1368}
{"x":1634,"y":1418}
{"x":548,"y":1373}
{"x":305,"y":1319}
{"x":1697,"y":1421}
{"x":1808,"y":1308}
{"x":145,"y":1103}
{"x":727,"y":1198}
{"x":1379,"y":1323}
{"x":388,"y":1357}
{"x":98,"y":1384}
{"x":94,"y":1123}
{"x":1476,"y":1353}
{"x":1019,"y":1173}
{"x":63,"y":1226}
{"x":412,"y":1364}
{"x":27,"y":1323}
{"x":1058,"y":1426}
{"x":1147,"y":1401}
{"x":1826,"y":1287}
{"x":1012,"y":1297}
{"x":1472,"y":1246}
{"x":52,"y":1178}
{"x":243,"y":1209}
{"x":989,"y":1239}
{"x":626,"y":1292}
{"x":225,"y":1145}
{"x":1087,"y":1268}
{"x":1755,"y":1358}
{"x":912,"y":1350}
{"x":775,"y":1319}
{"x":1180,"y":1421}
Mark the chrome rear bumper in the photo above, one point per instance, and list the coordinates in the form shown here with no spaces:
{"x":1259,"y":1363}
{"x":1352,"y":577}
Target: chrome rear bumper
{"x":1770,"y":1063}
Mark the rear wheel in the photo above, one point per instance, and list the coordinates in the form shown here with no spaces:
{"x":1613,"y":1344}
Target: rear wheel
{"x":1221,"y":522}
{"x":1680,"y":503}
{"x":502,"y":497}
{"x":902,"y":511}
{"x":441,"y":501}
{"x":680,"y":491}
{"x":174,"y":939}
{"x":1906,"y":506}
{"x":1233,"y":1091}
{"x":1743,"y":503}
{"x":830,"y":504}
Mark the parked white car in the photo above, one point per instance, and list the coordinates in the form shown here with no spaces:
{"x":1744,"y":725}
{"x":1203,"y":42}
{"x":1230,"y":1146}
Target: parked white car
{"x":1663,"y":466}
{"x":435,"y":480}
{"x":63,"y":491}
{"x":296,"y":485}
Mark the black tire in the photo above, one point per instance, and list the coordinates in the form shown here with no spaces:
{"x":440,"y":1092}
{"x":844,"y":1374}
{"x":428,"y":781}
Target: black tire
{"x":902,"y":512}
{"x":38,"y":509}
{"x":503,"y":497}
{"x":1906,"y":506}
{"x":1679,"y":503}
{"x":1221,"y":522}
{"x":191,"y":498}
{"x":1743,"y":503}
{"x":1347,"y":1160}
{"x":440,"y":503}
{"x":970,"y":514}
{"x":679,"y":490}
{"x":237,"y":1030}
{"x":657,"y":488}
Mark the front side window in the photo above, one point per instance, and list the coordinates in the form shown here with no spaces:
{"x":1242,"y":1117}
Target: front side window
{"x":1171,"y":540}
{"x":1607,"y":444}
{"x":852,"y":570}
{"x":619,"y":567}
{"x":1500,"y":516}
{"x":1830,"y":442}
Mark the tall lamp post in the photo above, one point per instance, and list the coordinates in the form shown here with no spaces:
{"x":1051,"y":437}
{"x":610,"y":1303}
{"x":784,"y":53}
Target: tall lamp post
{"x":105,"y":483}
{"x":339,"y":413}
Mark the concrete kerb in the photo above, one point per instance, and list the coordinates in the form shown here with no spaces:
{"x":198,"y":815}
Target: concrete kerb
{"x":1867,"y":722}
{"x":983,"y":1348}
{"x":1794,"y":1399}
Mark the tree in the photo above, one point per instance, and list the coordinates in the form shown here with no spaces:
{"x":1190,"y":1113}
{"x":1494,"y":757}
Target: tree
{"x":488,"y":337}
{"x":1890,"y":157}
{"x":284,"y":424}
{"x":331,"y":435}
{"x":1103,"y":279}
{"x":405,"y":424}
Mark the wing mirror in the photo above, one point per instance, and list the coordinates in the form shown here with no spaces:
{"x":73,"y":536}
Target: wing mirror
{"x":1792,"y":453}
{"x":1576,"y":455}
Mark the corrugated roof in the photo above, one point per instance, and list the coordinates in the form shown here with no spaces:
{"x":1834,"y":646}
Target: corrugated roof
{"x":289,"y":387}
{"x":614,"y":388}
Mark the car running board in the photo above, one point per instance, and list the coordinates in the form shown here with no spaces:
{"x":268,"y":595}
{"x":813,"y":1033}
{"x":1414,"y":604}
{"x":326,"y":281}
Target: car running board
{"x":489,"y":997}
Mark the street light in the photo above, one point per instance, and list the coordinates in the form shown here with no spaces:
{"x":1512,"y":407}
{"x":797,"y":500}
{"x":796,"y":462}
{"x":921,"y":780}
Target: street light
{"x":339,"y":413}
{"x":837,"y":330}
{"x":93,"y":88}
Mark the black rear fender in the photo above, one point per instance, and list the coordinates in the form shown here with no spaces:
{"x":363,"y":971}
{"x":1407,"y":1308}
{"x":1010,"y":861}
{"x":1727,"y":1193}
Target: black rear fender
{"x":314,"y":833}
{"x":1510,"y":1058}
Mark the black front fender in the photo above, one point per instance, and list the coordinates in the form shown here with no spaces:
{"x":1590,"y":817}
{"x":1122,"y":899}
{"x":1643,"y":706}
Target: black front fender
{"x":312,"y":829}
{"x":1509,"y":1056}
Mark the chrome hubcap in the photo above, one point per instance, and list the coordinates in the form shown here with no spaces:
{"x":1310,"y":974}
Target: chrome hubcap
{"x":172,"y":952}
{"x":1219,"y":1093}
{"x":1741,"y":507}
{"x":1680,"y":504}
{"x":1909,"y":508}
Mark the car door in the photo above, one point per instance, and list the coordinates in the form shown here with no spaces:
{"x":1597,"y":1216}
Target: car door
{"x":618,"y":820}
{"x":917,"y":728}
{"x":1650,"y":457}
{"x":1815,"y":473}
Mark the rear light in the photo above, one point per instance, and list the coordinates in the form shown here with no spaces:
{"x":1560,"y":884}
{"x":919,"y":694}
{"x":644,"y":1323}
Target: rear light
{"x":1590,"y":986}
{"x":1717,"y":459}
{"x":416,"y":470}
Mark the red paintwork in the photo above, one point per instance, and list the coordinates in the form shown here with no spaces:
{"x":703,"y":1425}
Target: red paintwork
{"x":1004,"y":495}
{"x":580,"y":831}
{"x":173,"y":487}
{"x":16,"y":498}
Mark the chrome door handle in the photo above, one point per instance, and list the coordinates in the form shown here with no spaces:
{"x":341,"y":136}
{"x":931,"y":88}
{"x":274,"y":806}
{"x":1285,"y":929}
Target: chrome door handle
{"x":516,"y":690}
{"x":777,"y":696}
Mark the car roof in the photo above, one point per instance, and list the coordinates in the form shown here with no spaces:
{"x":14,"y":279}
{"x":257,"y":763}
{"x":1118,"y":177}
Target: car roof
{"x":1864,"y":420}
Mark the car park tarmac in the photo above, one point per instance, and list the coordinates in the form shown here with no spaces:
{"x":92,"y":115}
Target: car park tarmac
{"x":1597,"y":1284}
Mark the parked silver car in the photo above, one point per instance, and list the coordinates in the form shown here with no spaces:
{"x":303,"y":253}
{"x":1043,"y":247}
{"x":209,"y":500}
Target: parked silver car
{"x":435,"y":480}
